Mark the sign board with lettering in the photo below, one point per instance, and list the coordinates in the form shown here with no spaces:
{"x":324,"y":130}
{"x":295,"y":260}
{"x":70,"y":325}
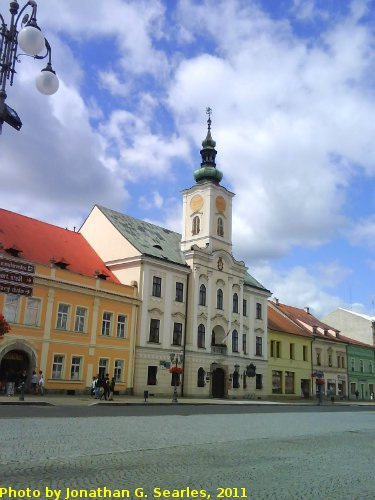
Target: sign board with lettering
{"x":15,"y":276}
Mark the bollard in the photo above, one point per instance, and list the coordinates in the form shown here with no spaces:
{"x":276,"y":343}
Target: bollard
{"x":145,"y":395}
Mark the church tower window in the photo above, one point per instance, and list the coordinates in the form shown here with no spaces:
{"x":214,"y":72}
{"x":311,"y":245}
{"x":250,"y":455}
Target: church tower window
{"x":196,"y":225}
{"x":202,"y":295}
{"x":220,"y":227}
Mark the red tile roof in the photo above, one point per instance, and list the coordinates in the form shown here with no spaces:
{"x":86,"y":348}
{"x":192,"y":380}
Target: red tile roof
{"x":278,"y":322}
{"x":309,"y":321}
{"x":40,"y":242}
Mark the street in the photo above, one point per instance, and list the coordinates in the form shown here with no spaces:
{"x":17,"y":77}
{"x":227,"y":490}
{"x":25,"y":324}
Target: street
{"x":260,"y":454}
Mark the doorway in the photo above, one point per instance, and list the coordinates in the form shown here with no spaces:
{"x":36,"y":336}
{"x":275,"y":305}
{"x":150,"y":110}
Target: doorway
{"x":12,"y":365}
{"x":218,"y":383}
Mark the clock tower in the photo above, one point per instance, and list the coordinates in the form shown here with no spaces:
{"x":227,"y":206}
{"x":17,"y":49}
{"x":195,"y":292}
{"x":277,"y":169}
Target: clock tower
{"x":207,"y":206}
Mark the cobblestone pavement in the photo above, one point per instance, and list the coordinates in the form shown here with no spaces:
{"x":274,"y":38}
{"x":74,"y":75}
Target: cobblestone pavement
{"x":274,"y":456}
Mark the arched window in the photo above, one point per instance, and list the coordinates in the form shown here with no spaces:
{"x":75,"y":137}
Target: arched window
{"x":201,"y":377}
{"x":235,"y":341}
{"x":235,"y":303}
{"x":201,"y":336}
{"x":219,"y":299}
{"x":220,"y":227}
{"x":202,"y":295}
{"x":196,"y":225}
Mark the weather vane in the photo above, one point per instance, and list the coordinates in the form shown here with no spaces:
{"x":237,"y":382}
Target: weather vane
{"x":209,"y":112}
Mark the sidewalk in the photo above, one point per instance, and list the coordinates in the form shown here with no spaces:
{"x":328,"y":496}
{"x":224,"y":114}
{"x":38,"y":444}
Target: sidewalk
{"x":85,"y":400}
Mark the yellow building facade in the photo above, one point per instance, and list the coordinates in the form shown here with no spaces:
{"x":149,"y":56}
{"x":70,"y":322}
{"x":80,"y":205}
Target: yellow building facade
{"x":75,"y":325}
{"x":289,"y":357}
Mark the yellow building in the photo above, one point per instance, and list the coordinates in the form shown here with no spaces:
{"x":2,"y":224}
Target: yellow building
{"x":289,"y":356}
{"x":79,"y":321}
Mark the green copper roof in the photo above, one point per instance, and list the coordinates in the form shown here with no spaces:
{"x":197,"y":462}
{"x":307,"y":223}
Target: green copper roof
{"x":155,"y":241}
{"x":208,"y":173}
{"x":148,"y":238}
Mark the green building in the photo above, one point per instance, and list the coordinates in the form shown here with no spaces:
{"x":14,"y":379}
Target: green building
{"x":361,"y":376}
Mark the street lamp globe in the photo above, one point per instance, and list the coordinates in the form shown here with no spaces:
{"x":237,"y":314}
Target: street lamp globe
{"x":47,"y":82}
{"x":31,"y":40}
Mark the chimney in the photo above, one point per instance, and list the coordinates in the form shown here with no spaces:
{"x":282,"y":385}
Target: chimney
{"x":276,"y":301}
{"x":373,"y":332}
{"x":325,"y":332}
{"x":307,"y":309}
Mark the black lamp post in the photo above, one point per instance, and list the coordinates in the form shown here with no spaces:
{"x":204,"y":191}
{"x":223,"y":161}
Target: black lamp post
{"x":32,"y":42}
{"x":176,"y":357}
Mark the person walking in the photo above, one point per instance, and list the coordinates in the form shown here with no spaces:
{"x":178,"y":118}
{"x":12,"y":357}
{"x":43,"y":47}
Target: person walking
{"x":106,"y":388}
{"x":41,"y":383}
{"x":97,"y":386}
{"x":93,"y":387}
{"x":34,"y":382}
{"x":112,"y":388}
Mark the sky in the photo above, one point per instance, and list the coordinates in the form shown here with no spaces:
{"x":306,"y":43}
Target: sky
{"x":292,"y":88}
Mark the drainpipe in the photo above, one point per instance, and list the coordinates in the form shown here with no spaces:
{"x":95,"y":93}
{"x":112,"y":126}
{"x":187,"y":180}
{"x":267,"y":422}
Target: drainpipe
{"x":184,"y":347}
{"x":312,"y":370}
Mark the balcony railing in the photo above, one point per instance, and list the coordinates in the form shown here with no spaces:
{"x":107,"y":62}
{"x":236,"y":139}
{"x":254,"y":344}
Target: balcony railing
{"x":219,"y":349}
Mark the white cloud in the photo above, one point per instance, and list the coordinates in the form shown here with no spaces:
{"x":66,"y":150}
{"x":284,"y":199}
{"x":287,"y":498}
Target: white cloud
{"x":363,"y":232}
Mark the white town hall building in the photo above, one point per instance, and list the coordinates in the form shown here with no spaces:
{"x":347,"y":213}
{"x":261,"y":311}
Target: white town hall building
{"x":197,"y":299}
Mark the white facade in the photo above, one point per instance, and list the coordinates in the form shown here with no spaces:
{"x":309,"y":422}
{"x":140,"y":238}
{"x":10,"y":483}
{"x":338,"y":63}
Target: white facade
{"x":353,"y":325}
{"x":196,"y":298}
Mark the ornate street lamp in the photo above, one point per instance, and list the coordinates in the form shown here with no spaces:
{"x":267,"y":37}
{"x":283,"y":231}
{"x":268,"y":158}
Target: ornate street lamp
{"x":31,"y":40}
{"x":176,"y":357}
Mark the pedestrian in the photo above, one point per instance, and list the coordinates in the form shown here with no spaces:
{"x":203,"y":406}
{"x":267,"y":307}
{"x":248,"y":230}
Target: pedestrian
{"x":41,"y":383}
{"x":34,"y":382}
{"x":372,"y":396}
{"x":356,"y":394}
{"x":112,"y":388}
{"x":93,"y":387}
{"x":106,"y":388}
{"x":97,"y":386}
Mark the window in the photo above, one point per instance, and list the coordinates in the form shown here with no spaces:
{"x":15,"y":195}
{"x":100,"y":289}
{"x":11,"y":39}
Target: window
{"x":75,"y":369}
{"x":258,"y":311}
{"x":329,"y":359}
{"x":201,"y":336}
{"x":342,"y":361}
{"x":202,"y":295}
{"x":32,"y":312}
{"x":291,"y":351}
{"x":119,"y":370}
{"x":235,"y":303}
{"x":220,"y":227}
{"x":122,"y":321}
{"x":80,"y":321}
{"x":106,"y":323}
{"x":258,"y":381}
{"x":179,"y":292}
{"x":244,"y":307}
{"x":219,"y":299}
{"x":156,"y":286}
{"x":177,"y":333}
{"x":352,"y":388}
{"x":361,"y":365}
{"x":57,"y":366}
{"x":235,"y":341}
{"x":244,"y":343}
{"x":276,"y":382}
{"x":318,"y":361}
{"x":151,"y":375}
{"x":154,"y":331}
{"x":196,"y":225}
{"x":103,"y":367}
{"x":370,"y":367}
{"x":278,"y":349}
{"x":201,"y":378}
{"x":305,"y":353}
{"x":289,"y":382}
{"x":352,"y":364}
{"x":338,"y":361}
{"x":258,"y":346}
{"x":272,"y":350}
{"x":11,"y":308}
{"x":63,"y":317}
{"x":175,"y":379}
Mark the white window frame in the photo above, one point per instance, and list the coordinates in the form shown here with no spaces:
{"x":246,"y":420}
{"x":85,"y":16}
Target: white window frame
{"x":12,"y":308}
{"x":75,"y":374}
{"x":107,"y":324}
{"x":61,"y":315}
{"x":117,"y":369}
{"x":121,"y":326}
{"x":79,"y":317}
{"x":30,"y":312}
{"x":61,"y":364}
{"x":104,"y":366}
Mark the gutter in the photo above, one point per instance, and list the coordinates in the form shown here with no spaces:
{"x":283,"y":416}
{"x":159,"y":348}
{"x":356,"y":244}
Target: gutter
{"x":184,"y":347}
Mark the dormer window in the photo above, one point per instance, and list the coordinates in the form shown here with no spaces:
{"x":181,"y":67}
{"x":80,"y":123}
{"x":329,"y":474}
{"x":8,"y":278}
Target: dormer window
{"x":220,"y":227}
{"x":61,"y":263}
{"x":196,"y":225}
{"x":14,"y":251}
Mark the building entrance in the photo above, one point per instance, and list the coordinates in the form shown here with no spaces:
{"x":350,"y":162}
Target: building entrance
{"x":12,"y":365}
{"x":218,"y":381}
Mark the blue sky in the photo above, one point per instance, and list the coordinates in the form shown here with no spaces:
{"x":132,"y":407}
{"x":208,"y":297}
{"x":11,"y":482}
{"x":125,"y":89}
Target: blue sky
{"x":292,"y":88}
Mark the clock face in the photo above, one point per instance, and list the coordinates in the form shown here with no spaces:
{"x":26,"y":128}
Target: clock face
{"x":196,"y":203}
{"x":220,"y":264}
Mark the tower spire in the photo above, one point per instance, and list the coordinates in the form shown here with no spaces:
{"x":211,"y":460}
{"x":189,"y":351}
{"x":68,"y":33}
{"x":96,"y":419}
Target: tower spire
{"x":208,"y":170}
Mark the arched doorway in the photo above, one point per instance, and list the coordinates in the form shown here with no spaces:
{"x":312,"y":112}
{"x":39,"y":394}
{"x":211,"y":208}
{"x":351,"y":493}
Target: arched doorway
{"x":218,"y":383}
{"x":12,"y":364}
